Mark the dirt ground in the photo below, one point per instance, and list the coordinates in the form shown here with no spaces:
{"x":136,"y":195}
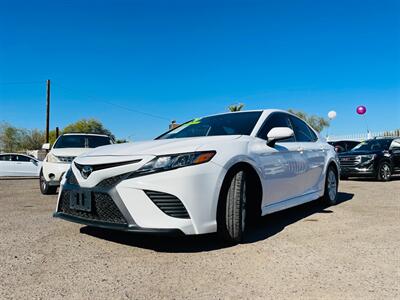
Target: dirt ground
{"x":349,"y":251}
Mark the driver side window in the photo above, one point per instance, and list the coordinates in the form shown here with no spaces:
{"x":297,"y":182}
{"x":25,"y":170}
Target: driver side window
{"x":275,"y":120}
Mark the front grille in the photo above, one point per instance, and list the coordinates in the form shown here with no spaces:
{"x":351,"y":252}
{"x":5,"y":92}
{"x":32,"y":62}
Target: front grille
{"x":112,"y":181}
{"x":169,"y":204}
{"x":349,"y":161}
{"x":67,"y":159}
{"x":71,"y":179}
{"x":103,"y":208}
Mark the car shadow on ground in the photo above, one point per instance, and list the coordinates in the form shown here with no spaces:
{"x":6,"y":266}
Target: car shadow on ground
{"x":265,"y":228}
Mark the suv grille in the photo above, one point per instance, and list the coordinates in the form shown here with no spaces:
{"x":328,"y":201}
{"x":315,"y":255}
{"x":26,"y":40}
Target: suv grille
{"x":103,"y":208}
{"x":67,"y":159}
{"x":169,"y":204}
{"x":349,"y":161}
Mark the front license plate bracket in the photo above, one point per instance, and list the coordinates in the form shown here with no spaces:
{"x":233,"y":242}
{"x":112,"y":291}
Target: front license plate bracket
{"x":81,"y":201}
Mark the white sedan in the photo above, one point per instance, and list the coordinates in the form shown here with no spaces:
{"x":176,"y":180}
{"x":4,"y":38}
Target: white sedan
{"x":12,"y":164}
{"x":212,"y":174}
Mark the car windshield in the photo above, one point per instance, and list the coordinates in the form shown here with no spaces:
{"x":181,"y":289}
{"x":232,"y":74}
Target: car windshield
{"x":81,"y":141}
{"x":239,"y":123}
{"x":373,"y":145}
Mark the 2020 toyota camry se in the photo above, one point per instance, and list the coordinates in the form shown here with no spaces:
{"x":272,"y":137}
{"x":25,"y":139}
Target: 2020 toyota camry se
{"x":212,"y":174}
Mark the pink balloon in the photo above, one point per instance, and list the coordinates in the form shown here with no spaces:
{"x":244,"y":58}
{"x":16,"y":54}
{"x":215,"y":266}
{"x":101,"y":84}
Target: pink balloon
{"x":361,"y":110}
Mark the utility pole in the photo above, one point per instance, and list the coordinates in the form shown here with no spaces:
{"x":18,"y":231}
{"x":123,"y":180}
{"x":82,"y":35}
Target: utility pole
{"x":47,"y":110}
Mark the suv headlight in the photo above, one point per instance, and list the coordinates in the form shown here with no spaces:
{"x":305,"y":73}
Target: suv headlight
{"x":367,"y":159}
{"x":52,"y":158}
{"x":174,"y":161}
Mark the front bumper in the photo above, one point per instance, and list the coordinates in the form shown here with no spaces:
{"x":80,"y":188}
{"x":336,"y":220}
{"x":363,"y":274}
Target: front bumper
{"x":357,"y":172}
{"x":196,"y":187}
{"x":53,"y":172}
{"x":119,"y":227}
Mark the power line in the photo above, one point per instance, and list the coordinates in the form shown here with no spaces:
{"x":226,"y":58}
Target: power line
{"x":119,"y":105}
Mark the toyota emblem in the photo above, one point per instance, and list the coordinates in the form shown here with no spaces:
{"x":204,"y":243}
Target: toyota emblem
{"x":86,"y":171}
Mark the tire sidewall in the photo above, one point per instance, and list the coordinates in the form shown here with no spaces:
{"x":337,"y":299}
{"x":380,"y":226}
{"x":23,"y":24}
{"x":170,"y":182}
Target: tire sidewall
{"x":326,"y":196}
{"x":381,"y":165}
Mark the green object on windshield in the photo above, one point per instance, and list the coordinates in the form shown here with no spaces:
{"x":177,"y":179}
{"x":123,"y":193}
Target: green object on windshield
{"x":194,"y":122}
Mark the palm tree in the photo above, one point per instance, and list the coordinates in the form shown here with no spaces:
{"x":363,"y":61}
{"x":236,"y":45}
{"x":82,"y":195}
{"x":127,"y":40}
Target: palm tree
{"x":236,"y":107}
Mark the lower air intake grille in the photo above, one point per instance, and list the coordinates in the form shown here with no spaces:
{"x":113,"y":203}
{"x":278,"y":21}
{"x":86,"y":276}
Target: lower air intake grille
{"x":103,"y":208}
{"x":169,"y":204}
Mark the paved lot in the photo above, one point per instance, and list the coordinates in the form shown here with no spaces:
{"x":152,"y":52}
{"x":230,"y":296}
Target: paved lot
{"x":349,"y":251}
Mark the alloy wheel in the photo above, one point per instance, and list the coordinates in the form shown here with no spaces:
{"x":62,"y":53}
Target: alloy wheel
{"x":385,"y":171}
{"x":332,"y":185}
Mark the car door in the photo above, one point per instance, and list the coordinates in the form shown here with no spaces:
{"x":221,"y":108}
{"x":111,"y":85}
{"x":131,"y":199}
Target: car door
{"x":282,"y":165}
{"x":314,"y":154}
{"x":395,"y":152}
{"x":27,"y":166}
{"x":6,"y":168}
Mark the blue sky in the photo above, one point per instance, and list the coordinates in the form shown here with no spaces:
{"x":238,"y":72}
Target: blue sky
{"x":184,"y":59}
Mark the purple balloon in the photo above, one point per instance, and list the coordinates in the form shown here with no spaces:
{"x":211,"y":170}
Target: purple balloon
{"x":361,"y":110}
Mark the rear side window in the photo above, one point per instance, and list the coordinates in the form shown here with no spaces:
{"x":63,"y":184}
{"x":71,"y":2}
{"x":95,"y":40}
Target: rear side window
{"x":275,"y":120}
{"x":23,"y":158}
{"x":302,"y":132}
{"x":4,"y":157}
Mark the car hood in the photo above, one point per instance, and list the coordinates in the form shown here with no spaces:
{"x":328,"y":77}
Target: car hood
{"x":158,"y":147}
{"x":69,"y":151}
{"x":355,"y":153}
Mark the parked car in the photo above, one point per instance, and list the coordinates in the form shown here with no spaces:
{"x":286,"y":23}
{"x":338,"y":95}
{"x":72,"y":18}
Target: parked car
{"x":64,"y":151}
{"x":13,"y":164}
{"x":211,"y":174}
{"x":343,"y":146}
{"x":379,"y":158}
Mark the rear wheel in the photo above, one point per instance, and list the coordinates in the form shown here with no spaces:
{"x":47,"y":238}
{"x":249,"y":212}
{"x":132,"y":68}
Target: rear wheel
{"x":232,"y":212}
{"x":331,"y":187}
{"x":45,"y":188}
{"x":384,"y":172}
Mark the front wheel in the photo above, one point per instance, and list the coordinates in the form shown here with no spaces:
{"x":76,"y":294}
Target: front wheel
{"x":232,"y":212}
{"x":45,"y":188}
{"x":384,"y":172}
{"x":331,"y":187}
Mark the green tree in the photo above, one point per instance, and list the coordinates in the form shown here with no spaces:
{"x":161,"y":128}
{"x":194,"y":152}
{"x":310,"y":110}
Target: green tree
{"x":10,"y":138}
{"x":236,"y":107}
{"x":316,"y":122}
{"x":32,"y":139}
{"x":88,"y":126}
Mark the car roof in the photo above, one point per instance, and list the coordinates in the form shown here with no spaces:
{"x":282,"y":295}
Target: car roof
{"x":246,"y":111}
{"x":82,"y":133}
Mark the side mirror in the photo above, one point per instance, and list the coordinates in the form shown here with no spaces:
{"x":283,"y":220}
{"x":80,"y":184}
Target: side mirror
{"x":33,"y":161}
{"x":278,"y":134}
{"x":46,"y":146}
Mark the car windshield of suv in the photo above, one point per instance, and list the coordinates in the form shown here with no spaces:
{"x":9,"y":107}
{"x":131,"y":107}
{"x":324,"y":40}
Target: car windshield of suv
{"x":373,"y":145}
{"x":239,"y":123}
{"x":81,"y":141}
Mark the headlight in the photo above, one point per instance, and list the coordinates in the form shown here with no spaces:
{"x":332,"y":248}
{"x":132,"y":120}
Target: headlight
{"x":367,"y":159}
{"x":170,"y":162}
{"x":52,"y":158}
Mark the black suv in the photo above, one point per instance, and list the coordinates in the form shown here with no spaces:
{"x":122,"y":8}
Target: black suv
{"x":379,"y":158}
{"x":343,"y":146}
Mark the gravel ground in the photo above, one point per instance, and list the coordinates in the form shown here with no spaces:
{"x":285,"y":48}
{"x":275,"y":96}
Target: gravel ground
{"x":349,"y":251}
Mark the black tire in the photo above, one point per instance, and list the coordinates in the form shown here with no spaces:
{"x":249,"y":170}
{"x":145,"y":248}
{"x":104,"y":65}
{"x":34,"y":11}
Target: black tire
{"x":45,"y":188}
{"x":231,"y":217}
{"x":331,"y":187}
{"x":384,"y":171}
